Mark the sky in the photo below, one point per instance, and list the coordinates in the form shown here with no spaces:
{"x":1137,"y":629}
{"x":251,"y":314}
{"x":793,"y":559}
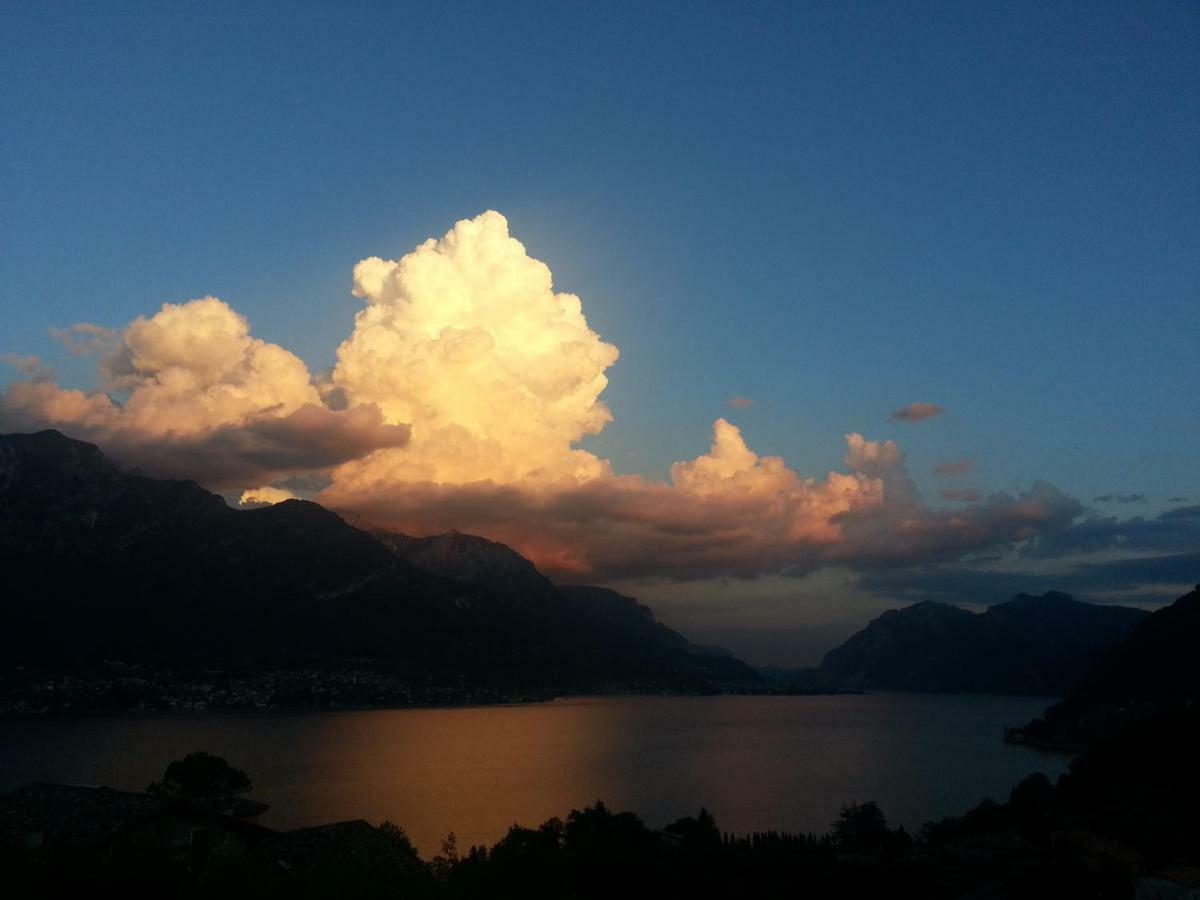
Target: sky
{"x":969,"y":230}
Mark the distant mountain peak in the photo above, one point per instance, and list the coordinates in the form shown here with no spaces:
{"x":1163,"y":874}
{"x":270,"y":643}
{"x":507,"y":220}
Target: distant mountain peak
{"x":933,"y":607}
{"x":1027,"y":645}
{"x":1050,"y":598}
{"x":470,"y":558}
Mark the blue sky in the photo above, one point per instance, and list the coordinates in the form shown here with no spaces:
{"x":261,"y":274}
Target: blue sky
{"x":833,"y":209}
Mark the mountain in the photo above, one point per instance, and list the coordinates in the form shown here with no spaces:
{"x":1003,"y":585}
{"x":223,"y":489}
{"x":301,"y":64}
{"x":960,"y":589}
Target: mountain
{"x":475,"y":560}
{"x":1151,"y":673}
{"x":1029,"y":645}
{"x":618,"y":621}
{"x":102,"y":564}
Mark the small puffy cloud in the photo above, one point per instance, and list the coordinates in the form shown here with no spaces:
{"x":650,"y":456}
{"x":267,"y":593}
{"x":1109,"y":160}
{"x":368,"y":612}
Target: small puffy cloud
{"x":203,"y":399}
{"x":959,"y":495}
{"x":955,"y":468}
{"x":916,"y":412}
{"x":28,"y":365}
{"x":265,"y":496}
{"x":872,"y":457}
{"x":1120,"y":498}
{"x":740,"y":402}
{"x":1173,"y":531}
{"x":85,"y":338}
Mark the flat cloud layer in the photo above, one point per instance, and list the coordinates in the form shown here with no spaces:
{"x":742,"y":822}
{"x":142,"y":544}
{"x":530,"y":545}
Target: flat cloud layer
{"x":457,"y":402}
{"x":915,"y":412}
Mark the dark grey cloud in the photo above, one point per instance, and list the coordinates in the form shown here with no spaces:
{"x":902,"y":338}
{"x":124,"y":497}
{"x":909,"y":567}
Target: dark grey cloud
{"x":1149,"y":580}
{"x":954,"y":468}
{"x":1120,"y":498}
{"x":916,"y":412}
{"x":1144,"y":553}
{"x":260,"y":450}
{"x":960,"y":495}
{"x":1181,"y":514}
{"x":1174,"y":531}
{"x":1130,"y":574}
{"x":628,"y":528}
{"x":953,"y":584}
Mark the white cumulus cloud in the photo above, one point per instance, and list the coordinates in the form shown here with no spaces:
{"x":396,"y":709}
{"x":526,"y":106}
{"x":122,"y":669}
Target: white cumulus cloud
{"x":459,"y":401}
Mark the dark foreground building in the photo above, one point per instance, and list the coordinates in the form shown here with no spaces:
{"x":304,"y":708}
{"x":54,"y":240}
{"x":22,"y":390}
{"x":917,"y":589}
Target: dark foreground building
{"x":58,"y":839}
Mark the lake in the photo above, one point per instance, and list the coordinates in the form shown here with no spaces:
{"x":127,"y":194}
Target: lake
{"x":757,"y":763}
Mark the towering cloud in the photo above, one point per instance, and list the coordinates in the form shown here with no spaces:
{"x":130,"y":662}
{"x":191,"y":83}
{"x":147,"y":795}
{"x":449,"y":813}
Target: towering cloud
{"x":458,"y":402}
{"x":466,"y":339}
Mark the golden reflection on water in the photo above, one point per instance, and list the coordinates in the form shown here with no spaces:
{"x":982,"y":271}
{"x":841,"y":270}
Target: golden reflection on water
{"x":756,"y":762}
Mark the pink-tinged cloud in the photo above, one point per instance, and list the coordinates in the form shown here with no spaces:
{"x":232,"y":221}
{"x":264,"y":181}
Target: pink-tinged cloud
{"x":916,"y":412}
{"x":85,"y":338}
{"x":28,"y":365}
{"x":955,"y":468}
{"x":740,"y":402}
{"x":959,"y":495}
{"x":727,"y":512}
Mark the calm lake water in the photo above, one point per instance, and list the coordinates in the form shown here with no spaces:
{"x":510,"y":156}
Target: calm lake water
{"x":757,"y":763}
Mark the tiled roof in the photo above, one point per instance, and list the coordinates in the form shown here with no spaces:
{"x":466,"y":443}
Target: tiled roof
{"x":73,"y":815}
{"x":68,"y":815}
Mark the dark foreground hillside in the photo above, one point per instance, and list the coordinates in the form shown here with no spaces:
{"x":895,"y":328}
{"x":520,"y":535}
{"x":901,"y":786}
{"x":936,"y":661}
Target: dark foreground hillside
{"x":1153,"y":672}
{"x":1123,"y":819}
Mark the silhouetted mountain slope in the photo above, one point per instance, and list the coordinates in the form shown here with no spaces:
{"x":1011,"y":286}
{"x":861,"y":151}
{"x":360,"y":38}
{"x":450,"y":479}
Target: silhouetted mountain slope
{"x":621,"y":624}
{"x":103,"y":564}
{"x":1152,"y":672}
{"x":629,"y":623}
{"x":1029,"y":645}
{"x":473,"y":559}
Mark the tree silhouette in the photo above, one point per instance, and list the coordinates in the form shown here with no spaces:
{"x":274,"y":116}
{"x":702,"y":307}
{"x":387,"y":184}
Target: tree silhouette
{"x":201,"y":776}
{"x":861,"y":827}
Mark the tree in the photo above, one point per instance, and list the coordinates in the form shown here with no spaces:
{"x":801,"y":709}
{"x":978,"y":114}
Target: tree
{"x":861,"y":827}
{"x":398,"y":836}
{"x":201,"y":776}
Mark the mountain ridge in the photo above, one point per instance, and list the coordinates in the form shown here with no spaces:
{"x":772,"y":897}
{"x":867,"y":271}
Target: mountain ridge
{"x":1150,"y":674}
{"x":1027,"y":645}
{"x":105,"y":564}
